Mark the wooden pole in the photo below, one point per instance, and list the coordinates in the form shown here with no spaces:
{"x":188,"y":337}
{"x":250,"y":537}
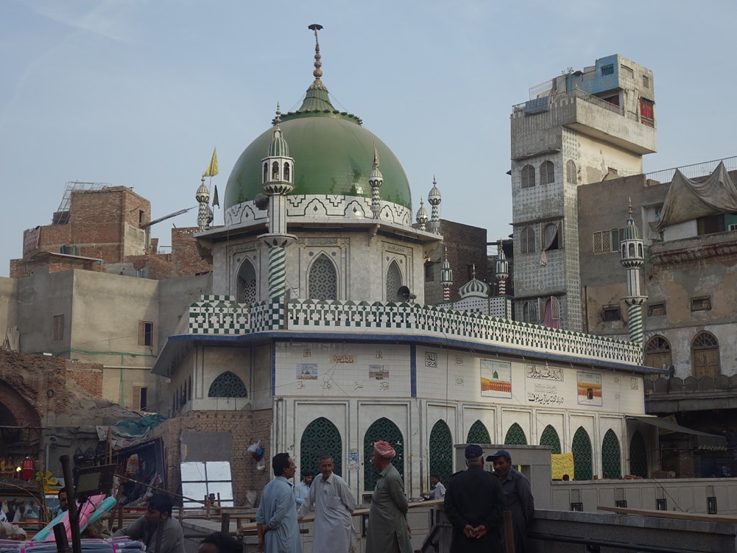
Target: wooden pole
{"x":72,"y":497}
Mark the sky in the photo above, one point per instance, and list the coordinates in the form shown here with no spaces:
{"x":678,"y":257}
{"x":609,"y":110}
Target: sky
{"x":138,"y":92}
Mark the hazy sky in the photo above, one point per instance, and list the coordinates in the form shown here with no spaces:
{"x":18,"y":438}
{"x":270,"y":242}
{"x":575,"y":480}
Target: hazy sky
{"x":137,"y":92}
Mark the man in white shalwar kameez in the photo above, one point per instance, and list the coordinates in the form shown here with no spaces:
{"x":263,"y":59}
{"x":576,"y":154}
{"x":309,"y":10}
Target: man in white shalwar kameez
{"x":333,"y":504}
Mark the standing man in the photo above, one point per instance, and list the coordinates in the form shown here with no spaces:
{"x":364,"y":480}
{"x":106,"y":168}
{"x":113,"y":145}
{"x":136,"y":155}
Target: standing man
{"x":333,"y":504}
{"x":387,"y":525}
{"x":276,"y":517}
{"x":517,"y":497}
{"x":437,"y":489}
{"x":157,"y":529}
{"x":302,"y":490}
{"x":473,"y":504}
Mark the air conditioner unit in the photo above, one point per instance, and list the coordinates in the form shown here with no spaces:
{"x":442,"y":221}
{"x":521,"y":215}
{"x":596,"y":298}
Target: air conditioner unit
{"x":733,"y":227}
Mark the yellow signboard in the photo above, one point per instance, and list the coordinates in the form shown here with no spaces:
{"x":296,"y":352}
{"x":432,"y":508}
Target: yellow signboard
{"x":561,"y":464}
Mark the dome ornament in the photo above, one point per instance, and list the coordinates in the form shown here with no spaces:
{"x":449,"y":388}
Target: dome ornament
{"x":317,"y":73}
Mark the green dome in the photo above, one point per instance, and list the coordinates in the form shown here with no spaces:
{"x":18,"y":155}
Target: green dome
{"x":333,"y":154}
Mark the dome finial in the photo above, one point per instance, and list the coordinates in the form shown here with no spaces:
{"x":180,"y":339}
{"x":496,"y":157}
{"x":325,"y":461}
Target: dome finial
{"x":376,"y":157}
{"x":317,"y":73}
{"x":277,"y":118}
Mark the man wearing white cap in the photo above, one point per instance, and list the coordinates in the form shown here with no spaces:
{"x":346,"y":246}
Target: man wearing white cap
{"x":387,"y":526}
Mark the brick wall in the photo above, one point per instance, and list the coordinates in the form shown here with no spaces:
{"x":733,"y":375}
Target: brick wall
{"x":87,"y":377}
{"x":245,"y":427}
{"x":185,"y":255}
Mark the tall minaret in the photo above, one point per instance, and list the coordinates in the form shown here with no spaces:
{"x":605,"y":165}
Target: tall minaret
{"x":433,"y":198}
{"x":502,"y":269}
{"x":376,"y":179}
{"x":421,"y":217}
{"x":632,"y":256}
{"x":446,"y":276}
{"x":204,"y":214}
{"x":277,"y":175}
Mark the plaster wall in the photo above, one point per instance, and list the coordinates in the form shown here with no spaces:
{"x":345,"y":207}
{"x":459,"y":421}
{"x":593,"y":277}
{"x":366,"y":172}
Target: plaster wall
{"x":687,"y":229}
{"x":42,"y":296}
{"x":211,"y":363}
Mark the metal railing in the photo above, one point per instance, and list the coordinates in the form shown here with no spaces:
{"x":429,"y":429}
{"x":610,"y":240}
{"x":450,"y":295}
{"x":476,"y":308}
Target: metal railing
{"x":694,"y":170}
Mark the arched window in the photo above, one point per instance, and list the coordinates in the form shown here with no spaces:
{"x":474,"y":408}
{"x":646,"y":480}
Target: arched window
{"x":393,"y":282}
{"x":530,"y":312}
{"x":581,"y":448}
{"x":638,"y":456}
{"x":382,"y":429}
{"x":657,"y":353}
{"x":639,"y":250}
{"x":441,"y":451}
{"x":550,"y":438}
{"x":323,"y":279}
{"x":527,"y":240}
{"x":547,"y":172}
{"x":227,"y":384}
{"x":478,"y":434}
{"x":528,"y":176}
{"x":286,"y":171}
{"x":571,"y":175}
{"x":515,"y":436}
{"x":274,"y":170}
{"x":246,"y":283}
{"x":705,"y":355}
{"x":321,"y":437}
{"x":632,"y":250}
{"x":266,"y":172}
{"x":611,"y":462}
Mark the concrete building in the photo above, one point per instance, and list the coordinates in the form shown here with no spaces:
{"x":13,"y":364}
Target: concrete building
{"x":318,"y":336}
{"x":578,"y":128}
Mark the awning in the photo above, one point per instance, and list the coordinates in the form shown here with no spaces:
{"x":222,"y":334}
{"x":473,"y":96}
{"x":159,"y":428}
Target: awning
{"x":703,"y":439}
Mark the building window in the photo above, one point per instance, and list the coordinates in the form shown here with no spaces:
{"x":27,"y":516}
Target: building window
{"x":656,"y":309}
{"x":547,"y":172}
{"x":647,"y":112}
{"x":705,"y":355}
{"x":145,"y":333}
{"x":246,"y":283}
{"x":139,"y":398}
{"x":571,"y":172}
{"x":611,"y":313}
{"x":393,"y":282}
{"x":527,"y":240}
{"x":429,"y":271}
{"x":266,"y":172}
{"x":657,"y":353}
{"x":645,"y":81}
{"x":321,"y":437}
{"x":607,"y":69}
{"x":440,"y":449}
{"x":323,"y":280}
{"x":140,"y":217}
{"x":551,"y":237}
{"x":286,"y":172}
{"x":58,"y":327}
{"x":227,"y":384}
{"x":607,"y":241}
{"x":710,"y":224}
{"x":627,"y":71}
{"x":528,"y":176}
{"x":530,"y":312}
{"x":701,"y":304}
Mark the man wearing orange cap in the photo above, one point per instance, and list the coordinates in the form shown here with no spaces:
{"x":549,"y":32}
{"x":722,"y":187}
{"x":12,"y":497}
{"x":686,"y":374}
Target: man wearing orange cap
{"x":387,"y":526}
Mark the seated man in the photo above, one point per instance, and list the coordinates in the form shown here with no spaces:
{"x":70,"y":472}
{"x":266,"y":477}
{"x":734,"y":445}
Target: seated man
{"x":157,"y":529}
{"x":218,"y":542}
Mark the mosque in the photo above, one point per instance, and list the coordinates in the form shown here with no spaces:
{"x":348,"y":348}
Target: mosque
{"x":317,"y":333}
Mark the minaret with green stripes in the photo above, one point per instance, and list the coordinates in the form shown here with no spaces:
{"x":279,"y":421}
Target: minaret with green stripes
{"x":277,"y":175}
{"x":632,"y":256}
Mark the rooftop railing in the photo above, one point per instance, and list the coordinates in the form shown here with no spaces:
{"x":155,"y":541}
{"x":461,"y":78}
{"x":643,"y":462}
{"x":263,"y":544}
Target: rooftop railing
{"x":694,"y":170}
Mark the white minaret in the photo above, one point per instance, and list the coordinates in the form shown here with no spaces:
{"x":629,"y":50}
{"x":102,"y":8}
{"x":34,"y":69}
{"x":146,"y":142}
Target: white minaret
{"x":376,"y":180}
{"x":277,"y":174}
{"x":421,"y":216}
{"x":204,"y":214}
{"x":632,"y":256}
{"x":502,"y":269}
{"x":434,"y":198}
{"x":446,"y":276}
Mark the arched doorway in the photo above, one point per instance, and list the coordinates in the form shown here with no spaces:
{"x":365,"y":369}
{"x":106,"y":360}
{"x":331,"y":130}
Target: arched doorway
{"x":581,"y":448}
{"x":550,"y":438}
{"x":478,"y":434}
{"x":381,"y":429}
{"x":319,"y":438}
{"x":611,"y":463}
{"x":515,"y":436}
{"x":441,"y":451}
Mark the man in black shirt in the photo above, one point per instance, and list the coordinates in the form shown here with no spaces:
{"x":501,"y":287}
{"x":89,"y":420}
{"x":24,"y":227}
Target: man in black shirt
{"x":473,"y":504}
{"x":517,"y":497}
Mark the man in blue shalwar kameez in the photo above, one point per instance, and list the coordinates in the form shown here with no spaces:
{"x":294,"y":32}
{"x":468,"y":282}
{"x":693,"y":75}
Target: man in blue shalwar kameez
{"x":278,"y":530}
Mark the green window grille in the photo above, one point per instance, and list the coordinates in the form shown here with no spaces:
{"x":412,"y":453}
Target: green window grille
{"x":393,"y":282}
{"x":515,"y":436}
{"x":611,"y":464}
{"x":638,"y":456}
{"x":227,"y":384}
{"x":441,"y":451}
{"x":381,"y":429}
{"x":321,"y":437}
{"x":323,"y":279}
{"x":550,"y":438}
{"x":581,"y":448}
{"x":478,"y":434}
{"x":246,"y":284}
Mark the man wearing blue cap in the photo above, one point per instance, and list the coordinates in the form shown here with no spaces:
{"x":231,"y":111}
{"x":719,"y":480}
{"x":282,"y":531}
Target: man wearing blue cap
{"x":517,"y":497}
{"x":473,"y":504}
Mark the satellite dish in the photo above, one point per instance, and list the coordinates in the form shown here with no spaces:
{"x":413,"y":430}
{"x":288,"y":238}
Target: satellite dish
{"x":261,"y":201}
{"x":404,"y":294}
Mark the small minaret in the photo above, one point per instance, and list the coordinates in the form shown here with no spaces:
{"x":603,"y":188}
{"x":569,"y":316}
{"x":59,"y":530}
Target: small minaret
{"x":433,"y":198}
{"x":502,"y":269}
{"x":446,"y":276}
{"x":376,"y":179}
{"x":277,"y":176}
{"x":632,"y":256}
{"x":422,"y":216}
{"x":204,"y":214}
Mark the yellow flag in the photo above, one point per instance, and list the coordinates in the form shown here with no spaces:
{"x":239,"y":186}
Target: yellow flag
{"x":212,"y":169}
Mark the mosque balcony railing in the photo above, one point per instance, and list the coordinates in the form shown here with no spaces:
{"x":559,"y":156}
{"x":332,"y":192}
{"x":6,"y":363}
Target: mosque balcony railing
{"x":223,"y":316}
